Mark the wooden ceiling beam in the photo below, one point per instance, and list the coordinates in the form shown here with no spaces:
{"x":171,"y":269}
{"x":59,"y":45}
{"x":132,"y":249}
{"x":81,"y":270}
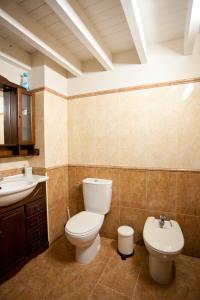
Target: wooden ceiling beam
{"x":192,"y":26}
{"x":16,"y":19}
{"x":73,"y":17}
{"x":134,"y":21}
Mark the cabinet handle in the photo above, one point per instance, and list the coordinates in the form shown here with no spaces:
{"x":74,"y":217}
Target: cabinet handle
{"x":1,"y":235}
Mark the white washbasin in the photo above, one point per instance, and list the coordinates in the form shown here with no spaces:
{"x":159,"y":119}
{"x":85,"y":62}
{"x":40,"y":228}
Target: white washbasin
{"x":15,"y":188}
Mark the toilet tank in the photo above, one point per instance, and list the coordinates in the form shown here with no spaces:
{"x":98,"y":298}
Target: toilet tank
{"x":97,"y":194}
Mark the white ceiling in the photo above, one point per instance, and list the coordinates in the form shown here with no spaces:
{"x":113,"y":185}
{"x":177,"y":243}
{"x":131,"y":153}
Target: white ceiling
{"x":162,"y":20}
{"x":13,"y":39}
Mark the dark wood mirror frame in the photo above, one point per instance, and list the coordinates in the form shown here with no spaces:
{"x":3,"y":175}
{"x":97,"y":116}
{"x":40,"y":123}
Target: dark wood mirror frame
{"x":19,"y":120}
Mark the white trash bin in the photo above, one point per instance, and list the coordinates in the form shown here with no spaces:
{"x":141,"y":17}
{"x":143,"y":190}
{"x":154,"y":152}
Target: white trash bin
{"x":125,"y":241}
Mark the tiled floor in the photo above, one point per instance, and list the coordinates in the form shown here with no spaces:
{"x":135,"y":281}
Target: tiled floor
{"x":55,"y":275}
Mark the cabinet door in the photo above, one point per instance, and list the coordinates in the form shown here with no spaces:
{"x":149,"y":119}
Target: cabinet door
{"x":36,"y":220}
{"x":26,"y":118}
{"x":12,"y":239}
{"x":9,"y":132}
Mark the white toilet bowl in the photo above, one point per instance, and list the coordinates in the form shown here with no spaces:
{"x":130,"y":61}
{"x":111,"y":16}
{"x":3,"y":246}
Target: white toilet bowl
{"x":82,"y":230}
{"x":163,"y":244}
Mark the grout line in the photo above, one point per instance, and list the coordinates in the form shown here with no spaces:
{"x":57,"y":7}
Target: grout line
{"x":176,"y":196}
{"x":98,"y":280}
{"x":146,"y":187}
{"x":108,"y":287}
{"x":133,"y":296}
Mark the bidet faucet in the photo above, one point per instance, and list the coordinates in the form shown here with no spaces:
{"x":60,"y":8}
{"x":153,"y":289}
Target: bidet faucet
{"x":162,"y":221}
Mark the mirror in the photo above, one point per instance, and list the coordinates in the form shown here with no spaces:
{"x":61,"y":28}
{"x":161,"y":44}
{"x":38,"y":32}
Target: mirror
{"x":17,"y":119}
{"x":8,"y":116}
{"x":1,"y":118}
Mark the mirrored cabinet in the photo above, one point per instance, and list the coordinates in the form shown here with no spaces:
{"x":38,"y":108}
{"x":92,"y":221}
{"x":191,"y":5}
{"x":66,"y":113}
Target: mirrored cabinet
{"x":17,"y":120}
{"x":26,"y":118}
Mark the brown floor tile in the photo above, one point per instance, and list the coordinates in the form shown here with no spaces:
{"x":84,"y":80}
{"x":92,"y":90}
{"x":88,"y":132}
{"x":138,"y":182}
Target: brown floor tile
{"x":56,"y":275}
{"x":121,"y":275}
{"x":102,"y":292}
{"x":12,"y":288}
{"x":185,"y":284}
{"x":108,"y":247}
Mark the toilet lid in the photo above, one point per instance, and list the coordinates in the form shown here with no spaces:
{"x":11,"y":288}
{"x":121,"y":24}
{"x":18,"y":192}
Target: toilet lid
{"x":167,"y":240}
{"x":83,"y":222}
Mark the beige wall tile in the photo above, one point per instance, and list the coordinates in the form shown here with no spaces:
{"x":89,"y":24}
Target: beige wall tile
{"x":161,"y":124}
{"x":188,"y":155}
{"x":39,"y":161}
{"x":151,"y":128}
{"x":107,"y":129}
{"x":56,"y":131}
{"x":133,"y":129}
{"x":82,"y":144}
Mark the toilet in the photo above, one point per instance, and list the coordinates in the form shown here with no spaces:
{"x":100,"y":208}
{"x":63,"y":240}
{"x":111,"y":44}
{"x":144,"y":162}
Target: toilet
{"x":164,"y":241}
{"x":82,"y":230}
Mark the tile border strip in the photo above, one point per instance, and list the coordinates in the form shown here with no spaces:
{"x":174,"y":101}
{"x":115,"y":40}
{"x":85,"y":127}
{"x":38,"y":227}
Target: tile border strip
{"x":135,"y":88}
{"x":119,"y":90}
{"x":133,"y":168}
{"x":39,"y":170}
{"x":46,"y":89}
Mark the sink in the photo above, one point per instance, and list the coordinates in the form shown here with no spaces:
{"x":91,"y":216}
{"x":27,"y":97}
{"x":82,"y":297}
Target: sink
{"x":15,"y":189}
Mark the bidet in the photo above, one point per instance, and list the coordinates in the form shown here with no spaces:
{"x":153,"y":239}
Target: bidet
{"x":163,"y":243}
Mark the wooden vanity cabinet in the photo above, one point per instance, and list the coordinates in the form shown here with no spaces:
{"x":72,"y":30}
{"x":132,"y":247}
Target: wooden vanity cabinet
{"x":12,"y":239}
{"x":36,"y":224}
{"x":23,"y":231}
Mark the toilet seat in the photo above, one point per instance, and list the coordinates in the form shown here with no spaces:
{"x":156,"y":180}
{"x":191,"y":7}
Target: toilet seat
{"x":84,"y":223}
{"x":164,"y":240}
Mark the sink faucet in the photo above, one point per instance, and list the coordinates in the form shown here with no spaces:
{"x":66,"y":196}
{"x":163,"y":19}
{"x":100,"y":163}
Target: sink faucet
{"x":162,"y":221}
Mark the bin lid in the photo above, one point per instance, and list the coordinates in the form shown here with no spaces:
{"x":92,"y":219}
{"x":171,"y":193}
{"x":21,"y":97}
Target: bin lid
{"x":125,"y":230}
